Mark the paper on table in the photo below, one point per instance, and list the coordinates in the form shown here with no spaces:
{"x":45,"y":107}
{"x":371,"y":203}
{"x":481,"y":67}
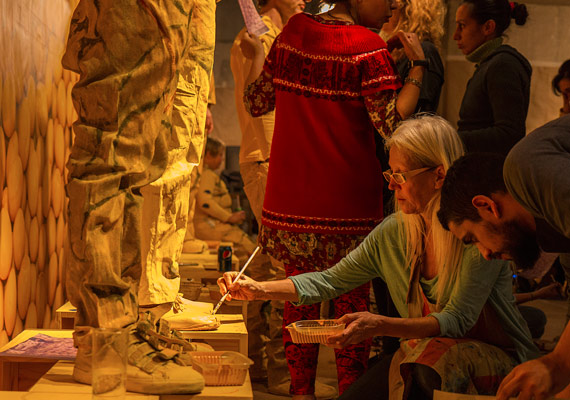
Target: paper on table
{"x":439,"y":395}
{"x":44,"y":346}
{"x":252,"y":20}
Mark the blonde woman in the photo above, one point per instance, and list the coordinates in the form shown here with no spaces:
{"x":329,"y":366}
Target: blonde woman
{"x":425,"y":18}
{"x":440,"y":286}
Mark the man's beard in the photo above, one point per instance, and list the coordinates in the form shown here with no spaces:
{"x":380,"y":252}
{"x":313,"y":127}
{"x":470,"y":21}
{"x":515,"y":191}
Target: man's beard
{"x":520,"y":243}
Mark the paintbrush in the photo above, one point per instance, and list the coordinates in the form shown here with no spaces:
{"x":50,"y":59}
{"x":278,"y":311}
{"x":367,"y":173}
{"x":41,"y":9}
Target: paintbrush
{"x":240,"y":273}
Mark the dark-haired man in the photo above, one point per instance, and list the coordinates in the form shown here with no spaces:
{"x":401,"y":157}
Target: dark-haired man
{"x":512,"y":211}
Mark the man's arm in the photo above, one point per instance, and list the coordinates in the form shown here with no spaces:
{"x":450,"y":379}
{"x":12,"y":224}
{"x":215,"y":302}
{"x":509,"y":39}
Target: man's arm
{"x":542,"y":377}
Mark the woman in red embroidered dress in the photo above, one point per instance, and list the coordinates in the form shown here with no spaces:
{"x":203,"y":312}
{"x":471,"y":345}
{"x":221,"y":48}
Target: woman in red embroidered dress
{"x":333,"y":85}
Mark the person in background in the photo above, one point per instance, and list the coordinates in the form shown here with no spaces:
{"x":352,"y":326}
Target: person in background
{"x":256,"y":137}
{"x":535,"y":317}
{"x":511,"y":211}
{"x":446,"y":293}
{"x":425,"y":18}
{"x":333,"y":86}
{"x":561,"y":86}
{"x":214,"y":218}
{"x":495,"y":104}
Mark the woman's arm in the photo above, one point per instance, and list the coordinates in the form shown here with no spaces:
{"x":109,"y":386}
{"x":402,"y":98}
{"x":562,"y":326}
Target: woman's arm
{"x":357,"y":268}
{"x":248,"y":289}
{"x":259,"y":93}
{"x":477,"y":278}
{"x":410,"y":93}
{"x":252,"y":47}
{"x":381,"y":107}
{"x":433,"y":80}
{"x":386,"y":108}
{"x":364,"y":325}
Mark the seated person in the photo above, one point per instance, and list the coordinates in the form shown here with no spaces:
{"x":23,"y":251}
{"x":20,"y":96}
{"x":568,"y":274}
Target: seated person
{"x":445,"y":291}
{"x":214,"y":219}
{"x":536,"y":318}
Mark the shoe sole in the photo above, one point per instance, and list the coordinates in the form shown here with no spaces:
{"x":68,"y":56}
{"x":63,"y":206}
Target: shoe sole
{"x":142,"y":385}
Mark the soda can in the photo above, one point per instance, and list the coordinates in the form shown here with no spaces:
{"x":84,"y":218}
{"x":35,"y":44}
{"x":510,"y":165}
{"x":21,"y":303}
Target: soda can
{"x":225,"y":258}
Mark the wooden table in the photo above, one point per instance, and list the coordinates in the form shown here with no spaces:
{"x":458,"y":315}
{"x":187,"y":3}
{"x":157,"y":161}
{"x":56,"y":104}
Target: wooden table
{"x":66,"y":313}
{"x":20,"y":373}
{"x":62,"y":396}
{"x":231,"y":335}
{"x":58,"y":380}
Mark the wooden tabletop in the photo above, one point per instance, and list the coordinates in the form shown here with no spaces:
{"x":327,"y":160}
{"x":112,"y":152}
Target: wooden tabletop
{"x":59,"y":381}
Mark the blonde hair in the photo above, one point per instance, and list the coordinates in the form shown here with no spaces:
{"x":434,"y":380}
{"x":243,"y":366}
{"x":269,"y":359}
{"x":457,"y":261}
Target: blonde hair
{"x":430,"y":141}
{"x":425,"y":18}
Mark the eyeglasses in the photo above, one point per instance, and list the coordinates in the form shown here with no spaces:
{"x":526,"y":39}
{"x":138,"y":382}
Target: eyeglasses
{"x":401,"y":177}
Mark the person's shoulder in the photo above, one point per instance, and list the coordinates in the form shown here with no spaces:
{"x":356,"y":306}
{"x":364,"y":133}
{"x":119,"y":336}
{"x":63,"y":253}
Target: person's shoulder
{"x":506,"y":56}
{"x":429,"y":46}
{"x":474,"y":261}
{"x":389,"y":227}
{"x":431,"y":52}
{"x":548,"y":136}
{"x":273,"y":31}
{"x":297,"y":21}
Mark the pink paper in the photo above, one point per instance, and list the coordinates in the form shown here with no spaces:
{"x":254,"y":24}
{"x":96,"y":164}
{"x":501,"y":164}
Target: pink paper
{"x":253,"y":22}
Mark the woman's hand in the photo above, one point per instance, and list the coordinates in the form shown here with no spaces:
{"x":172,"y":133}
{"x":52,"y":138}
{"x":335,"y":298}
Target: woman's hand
{"x":412,"y":46}
{"x":244,"y":289}
{"x":251,"y":46}
{"x":360,"y":326}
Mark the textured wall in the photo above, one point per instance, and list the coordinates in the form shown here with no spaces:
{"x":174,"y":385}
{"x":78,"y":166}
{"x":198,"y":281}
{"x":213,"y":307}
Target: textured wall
{"x":35,"y":135}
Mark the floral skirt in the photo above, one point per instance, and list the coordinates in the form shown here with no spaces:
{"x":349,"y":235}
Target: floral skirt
{"x":464,"y":365}
{"x":314,"y":251}
{"x":309,"y":252}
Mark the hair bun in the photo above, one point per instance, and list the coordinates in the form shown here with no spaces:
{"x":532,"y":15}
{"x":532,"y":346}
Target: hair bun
{"x":519,"y":13}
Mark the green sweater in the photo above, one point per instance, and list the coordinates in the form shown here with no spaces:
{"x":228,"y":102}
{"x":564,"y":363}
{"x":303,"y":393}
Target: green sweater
{"x":382,"y":254}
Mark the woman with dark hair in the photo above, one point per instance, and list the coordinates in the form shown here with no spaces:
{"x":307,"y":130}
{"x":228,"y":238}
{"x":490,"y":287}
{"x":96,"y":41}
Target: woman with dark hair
{"x":561,"y":86}
{"x":333,"y":86}
{"x":495,"y":104}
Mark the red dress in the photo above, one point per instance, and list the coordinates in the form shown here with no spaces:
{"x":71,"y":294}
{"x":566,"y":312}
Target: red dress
{"x":334,"y":87}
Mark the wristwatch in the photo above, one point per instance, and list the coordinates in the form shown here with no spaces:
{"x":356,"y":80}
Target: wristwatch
{"x":419,"y":63}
